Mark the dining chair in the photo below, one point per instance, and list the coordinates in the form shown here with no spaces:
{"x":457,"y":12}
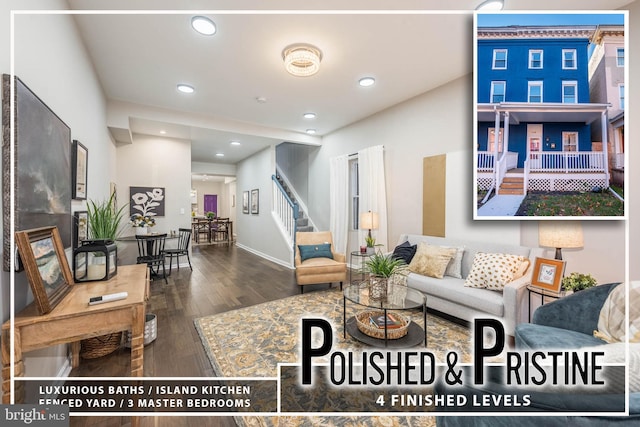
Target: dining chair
{"x":151,"y":252}
{"x":201,"y":227}
{"x":221,"y":230}
{"x":184,"y":236}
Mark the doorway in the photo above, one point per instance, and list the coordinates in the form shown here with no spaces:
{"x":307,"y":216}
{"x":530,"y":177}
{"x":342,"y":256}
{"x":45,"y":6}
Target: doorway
{"x":210,"y":203}
{"x":534,"y":144}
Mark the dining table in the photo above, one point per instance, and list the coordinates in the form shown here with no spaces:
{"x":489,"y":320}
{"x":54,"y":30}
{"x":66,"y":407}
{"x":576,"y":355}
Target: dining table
{"x":212,"y":228}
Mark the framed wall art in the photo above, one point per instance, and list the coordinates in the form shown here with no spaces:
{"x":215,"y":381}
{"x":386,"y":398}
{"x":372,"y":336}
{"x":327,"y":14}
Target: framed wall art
{"x":79,"y":172}
{"x":80,"y":228}
{"x":42,"y":183}
{"x":45,"y":263}
{"x":547,"y":274}
{"x":146,"y":201}
{"x":245,"y":202}
{"x":255,"y":202}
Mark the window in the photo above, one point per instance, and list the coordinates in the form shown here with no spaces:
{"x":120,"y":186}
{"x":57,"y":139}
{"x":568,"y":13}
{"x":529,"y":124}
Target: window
{"x":498,"y":90}
{"x":354,"y":192}
{"x":569,"y":59}
{"x":499,"y":59}
{"x":535,"y":92}
{"x":569,"y":141}
{"x":569,"y":92}
{"x":492,"y":140}
{"x":621,"y":92}
{"x":620,"y":56}
{"x":535,"y":59}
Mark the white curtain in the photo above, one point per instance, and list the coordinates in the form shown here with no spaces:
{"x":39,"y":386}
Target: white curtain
{"x":339,"y":202}
{"x":373,"y":196}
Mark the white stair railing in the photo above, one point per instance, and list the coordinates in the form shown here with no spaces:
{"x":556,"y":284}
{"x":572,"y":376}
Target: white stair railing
{"x":285,"y":211}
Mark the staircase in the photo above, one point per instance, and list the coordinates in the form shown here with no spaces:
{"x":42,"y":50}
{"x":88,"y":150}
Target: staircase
{"x":512,"y":185}
{"x":302,"y":223}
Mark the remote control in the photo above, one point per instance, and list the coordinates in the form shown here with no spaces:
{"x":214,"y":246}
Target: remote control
{"x":107,"y":298}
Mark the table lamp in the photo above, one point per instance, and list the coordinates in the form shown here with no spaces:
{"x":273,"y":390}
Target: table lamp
{"x":369,"y":220}
{"x":560,"y":234}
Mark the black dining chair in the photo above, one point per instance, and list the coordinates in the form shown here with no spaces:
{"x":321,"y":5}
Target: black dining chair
{"x":184,"y":236}
{"x":151,"y":252}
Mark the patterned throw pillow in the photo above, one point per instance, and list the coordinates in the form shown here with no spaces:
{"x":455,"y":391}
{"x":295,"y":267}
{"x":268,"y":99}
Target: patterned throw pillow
{"x":493,"y":271}
{"x":431,"y":260}
{"x":454,"y":269}
{"x":612,"y":320}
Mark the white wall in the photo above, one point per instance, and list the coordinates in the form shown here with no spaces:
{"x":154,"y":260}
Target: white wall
{"x":51,"y":59}
{"x":633,"y":129}
{"x":259,"y":233}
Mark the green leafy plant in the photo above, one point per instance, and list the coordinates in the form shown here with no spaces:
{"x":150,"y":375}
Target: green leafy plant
{"x":104,"y":219}
{"x":370,"y":241}
{"x":578,"y":281}
{"x":382,"y":265}
{"x":211,"y":215}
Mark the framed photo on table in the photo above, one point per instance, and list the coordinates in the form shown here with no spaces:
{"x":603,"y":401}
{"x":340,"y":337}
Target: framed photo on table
{"x":547,"y":274}
{"x":80,"y":228}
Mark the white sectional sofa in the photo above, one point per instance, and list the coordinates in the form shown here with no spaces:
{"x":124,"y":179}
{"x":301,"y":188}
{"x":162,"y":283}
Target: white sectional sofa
{"x":449,"y":295}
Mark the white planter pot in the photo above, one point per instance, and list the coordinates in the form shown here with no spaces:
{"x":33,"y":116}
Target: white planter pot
{"x":141,"y":231}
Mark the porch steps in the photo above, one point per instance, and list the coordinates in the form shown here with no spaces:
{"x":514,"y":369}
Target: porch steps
{"x":512,"y":185}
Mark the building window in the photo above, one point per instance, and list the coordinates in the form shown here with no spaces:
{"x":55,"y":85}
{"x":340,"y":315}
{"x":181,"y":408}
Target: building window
{"x":492,"y":141}
{"x":621,"y":92}
{"x":569,"y":59}
{"x":498,"y":90}
{"x":620,"y":56}
{"x":499,"y":59}
{"x":569,"y":92}
{"x":354,"y":190}
{"x":535,"y":92}
{"x":535,"y":59}
{"x":569,"y":141}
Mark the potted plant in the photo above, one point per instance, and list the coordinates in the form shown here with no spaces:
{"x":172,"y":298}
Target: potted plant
{"x":142,"y":223}
{"x":380,"y":267}
{"x":371,"y":243}
{"x":577,"y":281}
{"x":211,"y":215}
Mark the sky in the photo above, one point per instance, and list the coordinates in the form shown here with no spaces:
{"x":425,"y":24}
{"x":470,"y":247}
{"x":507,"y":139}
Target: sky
{"x":503,"y":19}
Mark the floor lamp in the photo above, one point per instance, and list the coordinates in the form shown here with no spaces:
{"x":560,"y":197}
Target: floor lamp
{"x":559,"y":235}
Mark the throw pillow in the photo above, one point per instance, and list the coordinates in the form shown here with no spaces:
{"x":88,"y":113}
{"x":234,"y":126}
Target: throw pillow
{"x":431,"y":260}
{"x":454,"y":269}
{"x":492,"y":270}
{"x":315,"y":251}
{"x":405,"y":252}
{"x":522,"y":270}
{"x":611,"y":322}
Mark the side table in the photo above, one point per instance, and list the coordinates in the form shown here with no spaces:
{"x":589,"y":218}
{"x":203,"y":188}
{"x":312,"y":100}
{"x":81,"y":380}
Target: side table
{"x":363,"y":256}
{"x":543,"y":293}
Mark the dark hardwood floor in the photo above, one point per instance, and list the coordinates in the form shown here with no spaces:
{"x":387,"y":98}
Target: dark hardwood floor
{"x":223,"y":278}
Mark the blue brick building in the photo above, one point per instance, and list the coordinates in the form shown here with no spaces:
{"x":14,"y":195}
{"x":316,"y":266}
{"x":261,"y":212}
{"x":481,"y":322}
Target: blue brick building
{"x":534,"y":115}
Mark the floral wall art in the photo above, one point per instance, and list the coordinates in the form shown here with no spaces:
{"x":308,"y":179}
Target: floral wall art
{"x":146,"y":201}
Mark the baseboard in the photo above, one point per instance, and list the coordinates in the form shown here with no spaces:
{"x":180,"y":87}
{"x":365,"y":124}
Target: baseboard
{"x":265,"y":256}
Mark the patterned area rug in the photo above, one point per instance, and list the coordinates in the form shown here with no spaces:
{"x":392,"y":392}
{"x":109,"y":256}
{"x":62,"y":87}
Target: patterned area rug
{"x":250,"y":342}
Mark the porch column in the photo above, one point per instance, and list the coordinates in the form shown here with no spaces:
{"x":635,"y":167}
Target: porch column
{"x":604,"y":121}
{"x":496,"y":139}
{"x":505,"y":134}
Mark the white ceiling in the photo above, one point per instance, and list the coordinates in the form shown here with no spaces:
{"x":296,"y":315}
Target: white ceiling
{"x":141,"y":56}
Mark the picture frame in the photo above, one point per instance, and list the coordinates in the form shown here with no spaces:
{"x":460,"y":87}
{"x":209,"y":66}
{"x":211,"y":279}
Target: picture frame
{"x":547,"y":274}
{"x":255,"y":202}
{"x":245,"y":202}
{"x":80,"y":228}
{"x":147,"y":201}
{"x":42,"y":255}
{"x":79,"y":160}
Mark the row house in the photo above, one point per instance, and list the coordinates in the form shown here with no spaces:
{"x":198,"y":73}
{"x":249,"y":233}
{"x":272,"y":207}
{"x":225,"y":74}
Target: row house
{"x":534,"y":113}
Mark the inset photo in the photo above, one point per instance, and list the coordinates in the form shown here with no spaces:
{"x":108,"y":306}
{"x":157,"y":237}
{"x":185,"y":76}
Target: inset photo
{"x":550,"y":110}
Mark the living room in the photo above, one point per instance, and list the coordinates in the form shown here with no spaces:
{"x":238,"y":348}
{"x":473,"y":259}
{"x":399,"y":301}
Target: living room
{"x":51,"y":57}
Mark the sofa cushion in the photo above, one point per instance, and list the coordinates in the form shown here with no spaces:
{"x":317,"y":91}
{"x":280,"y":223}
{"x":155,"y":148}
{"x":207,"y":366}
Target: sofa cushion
{"x":493,"y":271}
{"x":454,"y":269}
{"x":321,"y":266}
{"x":315,"y":251}
{"x":431,"y":260}
{"x":532,"y":336}
{"x":404,"y":251}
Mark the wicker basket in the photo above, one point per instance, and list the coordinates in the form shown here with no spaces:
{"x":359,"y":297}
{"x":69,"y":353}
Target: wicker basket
{"x":92,"y":348}
{"x":365,"y":326}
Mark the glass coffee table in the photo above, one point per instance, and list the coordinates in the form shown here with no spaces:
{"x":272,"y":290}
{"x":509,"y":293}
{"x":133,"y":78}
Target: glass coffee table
{"x":398,"y":298}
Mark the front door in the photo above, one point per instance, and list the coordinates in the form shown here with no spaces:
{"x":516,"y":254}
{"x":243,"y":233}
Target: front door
{"x":210,"y":203}
{"x":534,"y":145}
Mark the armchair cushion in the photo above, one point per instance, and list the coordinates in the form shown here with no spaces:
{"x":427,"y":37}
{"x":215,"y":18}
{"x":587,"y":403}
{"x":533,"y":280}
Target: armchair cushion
{"x":315,"y":251}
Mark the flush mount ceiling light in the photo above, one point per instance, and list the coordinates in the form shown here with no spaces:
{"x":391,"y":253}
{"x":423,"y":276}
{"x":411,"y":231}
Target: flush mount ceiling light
{"x":311,"y":131}
{"x":302,"y":60}
{"x":184,"y":88}
{"x":203,"y":25}
{"x":219,"y":154}
{"x":235,"y":142}
{"x":309,"y":115}
{"x":491,"y":5}
{"x":366,"y":81}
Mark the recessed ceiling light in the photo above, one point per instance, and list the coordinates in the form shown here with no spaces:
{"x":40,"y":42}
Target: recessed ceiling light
{"x":203,"y":25}
{"x":309,"y":115}
{"x":184,"y":88}
{"x":311,"y":131}
{"x":235,"y":142}
{"x":491,"y":5}
{"x":366,"y":81}
{"x":219,"y":154}
{"x":163,"y":132}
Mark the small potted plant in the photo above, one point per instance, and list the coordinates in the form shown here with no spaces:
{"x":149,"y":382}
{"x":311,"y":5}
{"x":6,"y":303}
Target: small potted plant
{"x":577,"y":281}
{"x":371,"y":243}
{"x":380,"y":267}
{"x":211,"y":215}
{"x":141,"y":223}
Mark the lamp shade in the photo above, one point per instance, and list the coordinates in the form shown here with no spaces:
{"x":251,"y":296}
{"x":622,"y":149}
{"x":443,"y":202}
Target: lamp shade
{"x":560,"y":234}
{"x":369,"y":220}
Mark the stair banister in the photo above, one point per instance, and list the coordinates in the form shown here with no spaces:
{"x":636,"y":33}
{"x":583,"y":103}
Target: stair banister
{"x":286,"y":211}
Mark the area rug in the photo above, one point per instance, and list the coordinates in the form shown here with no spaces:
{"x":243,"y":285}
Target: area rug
{"x":250,"y":342}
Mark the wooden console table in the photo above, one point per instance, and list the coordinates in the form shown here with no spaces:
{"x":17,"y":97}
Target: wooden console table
{"x":74,"y":320}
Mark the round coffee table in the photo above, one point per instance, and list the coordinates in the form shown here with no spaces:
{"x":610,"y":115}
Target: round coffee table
{"x":398,"y":298}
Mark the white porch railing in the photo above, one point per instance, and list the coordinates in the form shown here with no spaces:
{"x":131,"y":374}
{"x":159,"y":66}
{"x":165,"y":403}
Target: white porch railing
{"x":526,"y":176}
{"x":285,"y":211}
{"x":485,"y":161}
{"x":567,"y":161}
{"x":501,"y":171}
